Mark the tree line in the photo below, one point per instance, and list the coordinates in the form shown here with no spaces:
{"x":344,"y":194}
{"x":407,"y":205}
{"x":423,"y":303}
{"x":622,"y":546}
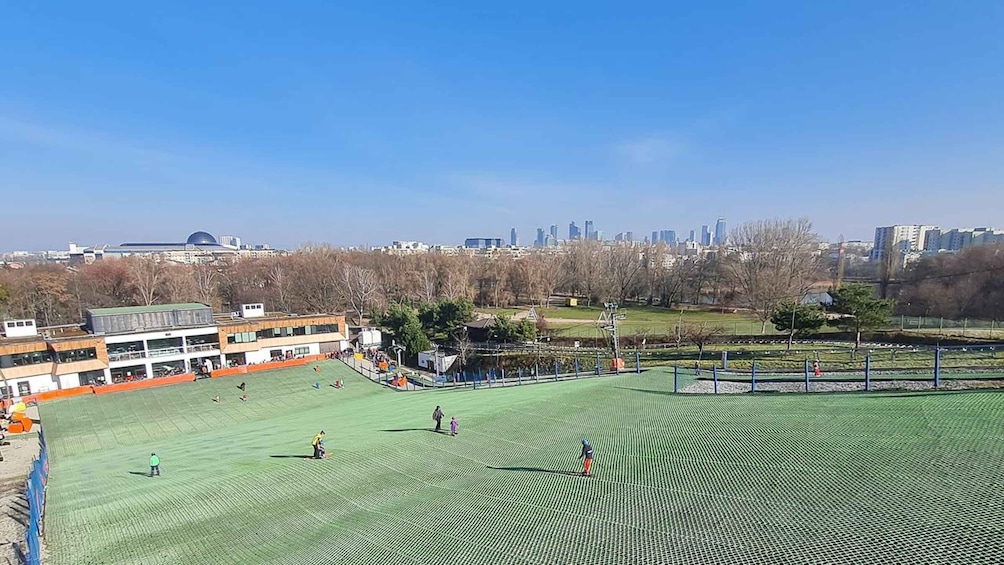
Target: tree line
{"x":771,"y":261}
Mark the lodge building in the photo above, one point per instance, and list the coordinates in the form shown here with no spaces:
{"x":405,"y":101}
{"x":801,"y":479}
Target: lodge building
{"x":116,"y":345}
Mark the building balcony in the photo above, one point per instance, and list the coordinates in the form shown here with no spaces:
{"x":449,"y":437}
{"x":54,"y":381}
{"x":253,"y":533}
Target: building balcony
{"x":126,"y":356}
{"x":165,"y":352}
{"x":204,"y":347}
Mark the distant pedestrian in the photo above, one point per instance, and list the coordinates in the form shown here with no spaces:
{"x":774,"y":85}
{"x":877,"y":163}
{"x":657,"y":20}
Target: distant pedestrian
{"x":697,"y":369}
{"x":217,"y":399}
{"x":317,"y":369}
{"x":241,"y":386}
{"x":437,"y":415}
{"x":244,"y":397}
{"x":815,"y":368}
{"x":453,"y":426}
{"x":317,"y":385}
{"x":154,"y":465}
{"x":587,"y":453}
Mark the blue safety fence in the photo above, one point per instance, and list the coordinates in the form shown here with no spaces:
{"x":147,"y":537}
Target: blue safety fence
{"x":30,"y":552}
{"x":810,"y":378}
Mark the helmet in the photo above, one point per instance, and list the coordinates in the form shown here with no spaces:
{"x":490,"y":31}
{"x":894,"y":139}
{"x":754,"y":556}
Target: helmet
{"x":585,"y":442}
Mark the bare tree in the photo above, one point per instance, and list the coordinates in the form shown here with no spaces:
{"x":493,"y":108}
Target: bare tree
{"x":465,"y":349}
{"x":147,"y":277}
{"x":361,"y":288}
{"x":701,"y":335}
{"x":584,"y":270}
{"x":622,"y":272}
{"x":776,"y":261}
{"x":207,"y":283}
{"x":280,"y":284}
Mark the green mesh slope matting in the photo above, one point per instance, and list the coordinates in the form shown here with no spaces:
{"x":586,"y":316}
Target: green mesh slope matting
{"x":852,"y":478}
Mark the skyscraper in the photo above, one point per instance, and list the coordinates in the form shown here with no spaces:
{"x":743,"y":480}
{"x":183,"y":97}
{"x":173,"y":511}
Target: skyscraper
{"x":693,"y":236}
{"x":540,"y":238}
{"x":513,"y":240}
{"x":705,"y":235}
{"x":589,"y":230}
{"x":668,"y":237}
{"x":720,"y":237}
{"x":629,"y":236}
{"x":655,"y":236}
{"x":554,"y":232}
{"x":573,"y":231}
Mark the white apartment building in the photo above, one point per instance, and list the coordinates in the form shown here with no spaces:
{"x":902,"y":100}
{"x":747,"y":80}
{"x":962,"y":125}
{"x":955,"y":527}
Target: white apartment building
{"x":902,"y":238}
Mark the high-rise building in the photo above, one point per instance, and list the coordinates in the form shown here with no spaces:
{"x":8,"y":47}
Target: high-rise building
{"x":668,"y":237}
{"x":483,"y":242}
{"x":629,"y":236}
{"x":720,"y":234}
{"x":573,"y":231}
{"x":693,"y":236}
{"x":513,"y":240}
{"x":231,"y":241}
{"x":598,"y":235}
{"x":705,"y":235}
{"x":589,"y":230}
{"x":655,"y":237}
{"x":902,"y":239}
{"x":540,"y":238}
{"x":554,"y":232}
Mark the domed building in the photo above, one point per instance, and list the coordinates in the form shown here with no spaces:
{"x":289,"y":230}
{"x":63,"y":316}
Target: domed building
{"x":200,"y":247}
{"x":201,"y":238}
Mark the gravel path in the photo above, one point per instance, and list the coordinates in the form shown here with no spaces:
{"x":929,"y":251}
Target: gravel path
{"x":14,"y":468}
{"x":706,"y":387}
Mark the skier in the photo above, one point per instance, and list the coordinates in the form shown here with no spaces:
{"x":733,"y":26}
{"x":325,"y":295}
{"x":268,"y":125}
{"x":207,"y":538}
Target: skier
{"x":437,"y":415}
{"x":587,"y":452}
{"x":453,"y":426}
{"x":154,"y":465}
{"x":241,"y":386}
{"x":318,"y":444}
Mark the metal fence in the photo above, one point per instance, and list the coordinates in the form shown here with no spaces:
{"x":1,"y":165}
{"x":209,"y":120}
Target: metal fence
{"x":30,"y":552}
{"x":541,"y":371}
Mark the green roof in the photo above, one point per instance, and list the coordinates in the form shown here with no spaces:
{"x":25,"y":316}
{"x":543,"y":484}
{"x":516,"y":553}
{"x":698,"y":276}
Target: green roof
{"x":145,"y":309}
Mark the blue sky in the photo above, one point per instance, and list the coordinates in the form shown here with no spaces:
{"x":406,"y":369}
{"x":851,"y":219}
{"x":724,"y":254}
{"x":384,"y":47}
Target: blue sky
{"x":439,"y":120}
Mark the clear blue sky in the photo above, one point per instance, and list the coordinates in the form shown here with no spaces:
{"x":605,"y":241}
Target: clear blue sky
{"x":437,"y":120}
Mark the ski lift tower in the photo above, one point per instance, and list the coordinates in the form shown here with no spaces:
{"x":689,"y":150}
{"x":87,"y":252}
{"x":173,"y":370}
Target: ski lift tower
{"x":608,"y":323}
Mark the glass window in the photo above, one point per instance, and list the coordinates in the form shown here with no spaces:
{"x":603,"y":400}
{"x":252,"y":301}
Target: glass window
{"x":92,"y":377}
{"x":126,"y":374}
{"x":23,"y":359}
{"x":74,"y":355}
{"x":129,"y":346}
{"x":301,"y":351}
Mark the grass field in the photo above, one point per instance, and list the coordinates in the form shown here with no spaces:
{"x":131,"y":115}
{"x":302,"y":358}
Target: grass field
{"x":679,"y":478}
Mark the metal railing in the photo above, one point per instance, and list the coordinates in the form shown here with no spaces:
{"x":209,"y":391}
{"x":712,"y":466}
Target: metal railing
{"x":203,"y":347}
{"x":31,"y":552}
{"x":164,"y":352}
{"x":127,"y":355}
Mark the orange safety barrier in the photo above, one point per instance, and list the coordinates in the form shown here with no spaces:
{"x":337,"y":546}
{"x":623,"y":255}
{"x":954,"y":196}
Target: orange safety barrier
{"x":19,"y":423}
{"x":63,"y":393}
{"x":229,"y":371}
{"x":617,"y":364}
{"x":145,"y":383}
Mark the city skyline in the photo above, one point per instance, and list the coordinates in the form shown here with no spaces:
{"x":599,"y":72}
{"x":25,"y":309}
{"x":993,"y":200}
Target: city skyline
{"x":140,"y":124}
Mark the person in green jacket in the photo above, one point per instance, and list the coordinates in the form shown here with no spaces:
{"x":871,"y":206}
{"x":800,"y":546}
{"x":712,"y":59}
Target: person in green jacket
{"x":154,"y":465}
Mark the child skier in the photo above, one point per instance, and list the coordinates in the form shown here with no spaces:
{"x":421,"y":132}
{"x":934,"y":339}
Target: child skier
{"x":154,"y":465}
{"x":587,"y":452}
{"x":453,"y":426}
{"x":318,"y":444}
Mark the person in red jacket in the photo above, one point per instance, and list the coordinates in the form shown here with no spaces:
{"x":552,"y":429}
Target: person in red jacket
{"x":587,"y":453}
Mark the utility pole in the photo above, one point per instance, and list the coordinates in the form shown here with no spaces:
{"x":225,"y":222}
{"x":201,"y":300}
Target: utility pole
{"x":397,"y":349}
{"x":608,"y":322}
